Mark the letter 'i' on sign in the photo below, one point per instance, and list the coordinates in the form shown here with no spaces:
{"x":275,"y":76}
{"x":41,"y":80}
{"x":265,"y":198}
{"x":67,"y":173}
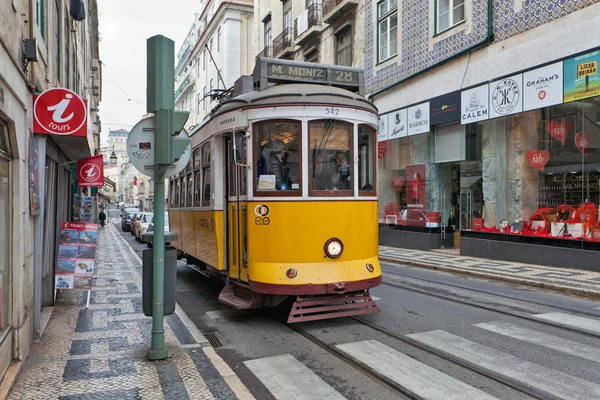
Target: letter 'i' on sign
{"x":59,"y":111}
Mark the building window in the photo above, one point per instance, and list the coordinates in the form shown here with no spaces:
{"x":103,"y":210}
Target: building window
{"x":387,"y":28}
{"x":268,"y":34}
{"x":343,"y":42}
{"x":449,"y":13}
{"x":204,"y":98}
{"x":287,"y":14}
{"x":313,"y":56}
{"x":206,"y":175}
{"x":57,"y":48}
{"x":204,"y":61}
{"x":40,"y":16}
{"x":219,"y":39}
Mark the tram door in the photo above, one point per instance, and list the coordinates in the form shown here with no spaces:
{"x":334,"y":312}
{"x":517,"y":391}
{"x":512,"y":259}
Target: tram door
{"x":237,"y":210}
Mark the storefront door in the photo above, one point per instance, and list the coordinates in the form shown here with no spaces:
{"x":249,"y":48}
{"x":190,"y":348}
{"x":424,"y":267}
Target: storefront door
{"x":449,"y":192}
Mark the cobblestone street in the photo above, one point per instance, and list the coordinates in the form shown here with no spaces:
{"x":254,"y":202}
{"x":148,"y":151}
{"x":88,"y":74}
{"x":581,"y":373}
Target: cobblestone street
{"x":100,"y":352}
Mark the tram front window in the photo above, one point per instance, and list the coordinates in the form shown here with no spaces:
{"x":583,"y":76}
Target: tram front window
{"x":330,"y":157}
{"x":278,"y":157}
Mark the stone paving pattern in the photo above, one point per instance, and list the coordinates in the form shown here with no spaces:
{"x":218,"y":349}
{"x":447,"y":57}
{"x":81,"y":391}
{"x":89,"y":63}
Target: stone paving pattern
{"x":100,"y":352}
{"x":572,"y":278}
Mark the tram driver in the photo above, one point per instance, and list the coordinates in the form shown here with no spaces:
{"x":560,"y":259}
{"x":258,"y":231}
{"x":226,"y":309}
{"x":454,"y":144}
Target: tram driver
{"x":277,"y":164}
{"x":341,"y":173}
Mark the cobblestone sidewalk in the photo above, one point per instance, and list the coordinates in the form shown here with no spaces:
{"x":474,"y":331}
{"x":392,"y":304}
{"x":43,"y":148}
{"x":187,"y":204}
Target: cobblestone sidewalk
{"x":573,"y":281}
{"x":100,"y":352}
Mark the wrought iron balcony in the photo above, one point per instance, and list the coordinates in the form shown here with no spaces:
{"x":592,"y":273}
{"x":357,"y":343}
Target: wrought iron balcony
{"x":267,"y":52}
{"x":333,"y":9}
{"x":283,"y":44}
{"x":309,"y":23}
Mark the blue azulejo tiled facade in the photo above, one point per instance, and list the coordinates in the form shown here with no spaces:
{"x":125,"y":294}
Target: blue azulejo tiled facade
{"x":510,"y":18}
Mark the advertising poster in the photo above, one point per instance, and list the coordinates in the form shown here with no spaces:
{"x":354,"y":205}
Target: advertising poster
{"x":382,"y":133}
{"x":76,"y":258}
{"x":83,"y":208}
{"x":543,"y":87}
{"x":506,"y":96}
{"x":418,"y":119}
{"x":581,"y":77}
{"x":474,"y":105}
{"x":445,"y":109}
{"x":416,"y":183}
{"x":397,"y":123}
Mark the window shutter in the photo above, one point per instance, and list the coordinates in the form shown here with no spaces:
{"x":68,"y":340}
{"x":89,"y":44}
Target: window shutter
{"x":449,"y":143}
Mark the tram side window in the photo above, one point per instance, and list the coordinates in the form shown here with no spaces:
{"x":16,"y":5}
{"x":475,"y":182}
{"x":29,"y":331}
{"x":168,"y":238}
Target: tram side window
{"x":171,"y":193}
{"x":366,"y":160}
{"x":190,"y":190}
{"x":206,"y":175}
{"x":177,"y":192}
{"x":183,"y":191}
{"x":242,"y":172}
{"x":330,"y":157}
{"x":197,"y":177}
{"x":278,"y":160}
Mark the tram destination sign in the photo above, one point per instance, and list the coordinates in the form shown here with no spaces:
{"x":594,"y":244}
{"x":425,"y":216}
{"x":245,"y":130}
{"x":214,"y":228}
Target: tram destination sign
{"x":269,"y":70}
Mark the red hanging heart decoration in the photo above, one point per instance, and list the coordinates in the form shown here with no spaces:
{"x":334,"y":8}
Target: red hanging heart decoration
{"x":559,"y":130}
{"x":538,"y":158}
{"x":583,"y":141}
{"x":397,"y":182}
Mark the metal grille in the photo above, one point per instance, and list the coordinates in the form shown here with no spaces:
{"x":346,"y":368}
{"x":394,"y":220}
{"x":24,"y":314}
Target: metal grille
{"x":213,"y":339}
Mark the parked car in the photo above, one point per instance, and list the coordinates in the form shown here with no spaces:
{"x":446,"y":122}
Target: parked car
{"x":126,"y":215}
{"x":141,"y":225}
{"x":151,"y":228}
{"x":134,"y":217}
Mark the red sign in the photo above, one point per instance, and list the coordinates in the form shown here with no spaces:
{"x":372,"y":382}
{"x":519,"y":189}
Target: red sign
{"x":416,"y":184}
{"x":538,"y":159}
{"x":583,"y":142}
{"x":559,"y":130}
{"x":90,"y":171}
{"x":382,"y":148}
{"x":60,"y":111}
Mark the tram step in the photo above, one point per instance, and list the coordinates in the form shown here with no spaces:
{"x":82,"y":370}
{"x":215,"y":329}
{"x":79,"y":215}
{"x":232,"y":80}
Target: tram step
{"x":230,"y":298}
{"x":312,"y":308}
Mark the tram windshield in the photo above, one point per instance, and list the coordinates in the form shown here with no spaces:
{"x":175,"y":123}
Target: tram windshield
{"x":330,"y":152}
{"x":278,"y":156}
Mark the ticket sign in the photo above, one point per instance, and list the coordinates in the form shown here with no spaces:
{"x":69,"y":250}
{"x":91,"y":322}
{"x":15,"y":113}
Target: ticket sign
{"x":76,"y":259}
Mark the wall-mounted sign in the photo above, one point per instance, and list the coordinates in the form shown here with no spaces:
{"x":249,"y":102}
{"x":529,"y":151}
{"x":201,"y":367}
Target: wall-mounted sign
{"x":418,"y":119}
{"x":506,"y":96}
{"x":382,"y":133}
{"x":582,"y":79}
{"x":59,"y":111}
{"x":397,"y":124}
{"x":445,"y":109}
{"x":474,"y":105}
{"x":543,"y":87}
{"x":90,"y":171}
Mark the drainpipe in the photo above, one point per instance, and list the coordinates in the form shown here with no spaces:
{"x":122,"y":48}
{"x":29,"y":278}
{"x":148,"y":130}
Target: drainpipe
{"x":489,"y":38}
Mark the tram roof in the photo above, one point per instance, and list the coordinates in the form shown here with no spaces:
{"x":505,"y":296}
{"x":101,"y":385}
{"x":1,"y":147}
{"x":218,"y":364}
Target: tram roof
{"x":299,"y":93}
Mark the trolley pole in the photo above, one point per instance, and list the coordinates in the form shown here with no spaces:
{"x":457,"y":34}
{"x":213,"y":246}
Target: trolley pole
{"x":168,"y":123}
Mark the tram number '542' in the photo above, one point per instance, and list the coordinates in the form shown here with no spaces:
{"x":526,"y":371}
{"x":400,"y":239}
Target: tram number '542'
{"x":332,"y":111}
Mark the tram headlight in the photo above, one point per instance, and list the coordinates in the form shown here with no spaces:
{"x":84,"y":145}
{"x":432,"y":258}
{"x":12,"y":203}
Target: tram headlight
{"x":334,"y":248}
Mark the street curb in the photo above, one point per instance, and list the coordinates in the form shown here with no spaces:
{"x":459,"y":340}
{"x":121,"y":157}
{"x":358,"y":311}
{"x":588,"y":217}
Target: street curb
{"x":589,"y":294}
{"x":232,"y":380}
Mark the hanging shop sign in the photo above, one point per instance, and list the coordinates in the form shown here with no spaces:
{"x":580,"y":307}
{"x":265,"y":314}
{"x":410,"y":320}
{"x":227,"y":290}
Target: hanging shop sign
{"x":506,"y":96}
{"x":445,"y":109}
{"x":90,"y":171}
{"x":582,"y":80}
{"x":543,"y":87}
{"x":76,"y":257}
{"x":59,"y":111}
{"x":382,"y":133}
{"x":474,"y":105}
{"x":418,"y":119}
{"x":397,"y":124}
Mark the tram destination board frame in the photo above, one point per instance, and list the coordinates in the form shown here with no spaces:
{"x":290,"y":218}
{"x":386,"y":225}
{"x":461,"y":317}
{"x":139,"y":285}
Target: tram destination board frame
{"x":269,"y":70}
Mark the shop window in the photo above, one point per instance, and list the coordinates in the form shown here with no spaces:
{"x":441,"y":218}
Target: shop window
{"x":449,"y":13}
{"x":278,"y":161}
{"x":330,"y":158}
{"x":387,"y":29}
{"x":5,"y":209}
{"x":206,"y":194}
{"x":366,"y":160}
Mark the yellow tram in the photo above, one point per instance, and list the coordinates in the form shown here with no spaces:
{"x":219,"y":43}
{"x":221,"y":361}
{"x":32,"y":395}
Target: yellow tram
{"x":279,"y":195}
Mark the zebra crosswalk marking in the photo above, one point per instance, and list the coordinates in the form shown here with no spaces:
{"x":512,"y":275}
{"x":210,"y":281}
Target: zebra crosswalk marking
{"x":553,"y":382}
{"x":543,"y":339}
{"x":420,"y":379}
{"x":289,"y":379}
{"x":588,"y":324}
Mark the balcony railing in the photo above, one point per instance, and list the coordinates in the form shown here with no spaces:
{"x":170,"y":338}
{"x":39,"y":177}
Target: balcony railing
{"x":330,"y":5}
{"x":284,"y":40}
{"x":314,"y":18}
{"x":267,"y":52}
{"x":184,"y":85}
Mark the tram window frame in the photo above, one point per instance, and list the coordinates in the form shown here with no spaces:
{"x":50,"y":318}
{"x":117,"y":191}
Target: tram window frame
{"x":373,"y":140}
{"x":243,"y":171}
{"x":177,"y":191}
{"x":190,"y":199}
{"x":197,"y":166}
{"x":256,"y":128}
{"x":171,"y":192}
{"x":350,"y":161}
{"x":206,"y":175}
{"x":183,"y":189}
